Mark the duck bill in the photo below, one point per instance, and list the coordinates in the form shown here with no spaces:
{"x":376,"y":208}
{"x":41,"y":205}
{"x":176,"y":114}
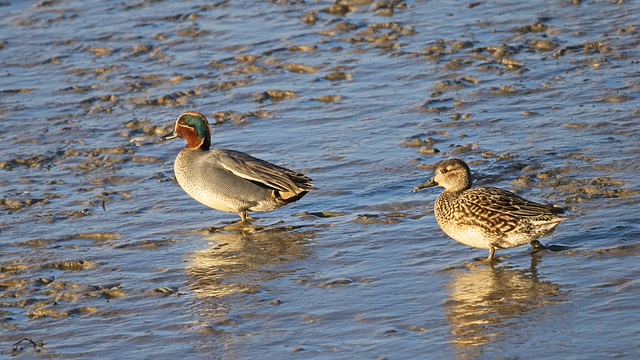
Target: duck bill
{"x":427,"y":184}
{"x":169,"y":136}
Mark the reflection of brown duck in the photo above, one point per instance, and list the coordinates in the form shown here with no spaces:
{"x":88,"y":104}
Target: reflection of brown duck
{"x":483,"y":299}
{"x":487,"y":217}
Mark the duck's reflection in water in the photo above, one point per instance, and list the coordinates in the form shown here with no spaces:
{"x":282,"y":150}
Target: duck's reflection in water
{"x":486,"y":304}
{"x":234,"y":278}
{"x":241,"y":259}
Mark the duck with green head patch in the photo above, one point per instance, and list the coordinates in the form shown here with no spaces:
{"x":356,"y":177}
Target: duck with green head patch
{"x":487,"y":217}
{"x":229,"y":180}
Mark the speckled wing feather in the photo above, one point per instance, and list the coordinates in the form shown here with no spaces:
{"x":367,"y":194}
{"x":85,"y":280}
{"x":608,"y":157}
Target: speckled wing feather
{"x":475,"y":212}
{"x":498,"y":211}
{"x":506,"y":202}
{"x":260,"y":171}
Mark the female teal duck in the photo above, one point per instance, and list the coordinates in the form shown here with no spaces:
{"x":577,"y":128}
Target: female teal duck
{"x":487,"y":217}
{"x":229,"y":180}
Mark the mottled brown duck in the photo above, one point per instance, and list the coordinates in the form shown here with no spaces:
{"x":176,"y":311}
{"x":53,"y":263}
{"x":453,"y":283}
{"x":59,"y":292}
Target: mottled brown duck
{"x":487,"y":217}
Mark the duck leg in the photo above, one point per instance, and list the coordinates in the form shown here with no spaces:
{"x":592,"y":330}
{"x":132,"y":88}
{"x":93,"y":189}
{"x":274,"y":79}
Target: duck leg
{"x":537,"y":246}
{"x":492,"y":250}
{"x":243,"y":215}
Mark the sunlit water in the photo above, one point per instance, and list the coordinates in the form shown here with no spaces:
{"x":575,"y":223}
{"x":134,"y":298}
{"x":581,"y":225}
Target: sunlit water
{"x":103,"y":255}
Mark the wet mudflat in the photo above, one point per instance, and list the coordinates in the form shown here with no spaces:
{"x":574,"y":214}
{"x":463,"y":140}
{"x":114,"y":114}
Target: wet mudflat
{"x":103,"y":255}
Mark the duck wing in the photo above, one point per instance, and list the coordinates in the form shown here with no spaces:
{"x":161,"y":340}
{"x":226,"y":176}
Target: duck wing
{"x":505,"y":202}
{"x":261,"y":172}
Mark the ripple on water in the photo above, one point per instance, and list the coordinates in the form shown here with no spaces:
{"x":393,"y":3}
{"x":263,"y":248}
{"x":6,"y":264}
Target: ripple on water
{"x":364,"y":96}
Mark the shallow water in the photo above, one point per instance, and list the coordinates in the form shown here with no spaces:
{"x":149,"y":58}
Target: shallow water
{"x":102,"y":254}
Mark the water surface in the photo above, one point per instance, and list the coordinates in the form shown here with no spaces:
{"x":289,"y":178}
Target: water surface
{"x":103,"y":255}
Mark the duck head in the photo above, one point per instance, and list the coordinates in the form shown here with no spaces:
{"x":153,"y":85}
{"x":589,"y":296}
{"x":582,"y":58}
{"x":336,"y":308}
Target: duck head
{"x":194,"y":128}
{"x":452,"y":174}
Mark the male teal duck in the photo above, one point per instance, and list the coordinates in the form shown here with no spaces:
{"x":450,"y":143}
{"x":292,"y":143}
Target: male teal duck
{"x":487,"y":217}
{"x":229,"y":180}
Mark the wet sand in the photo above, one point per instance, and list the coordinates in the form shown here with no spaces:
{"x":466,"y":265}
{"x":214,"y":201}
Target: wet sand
{"x":103,"y":255}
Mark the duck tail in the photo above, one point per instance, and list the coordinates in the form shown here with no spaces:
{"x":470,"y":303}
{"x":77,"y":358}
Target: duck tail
{"x":557,"y":209}
{"x":289,"y":196}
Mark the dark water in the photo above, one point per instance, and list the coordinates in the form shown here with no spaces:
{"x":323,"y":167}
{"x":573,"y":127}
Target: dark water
{"x":103,"y":255}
